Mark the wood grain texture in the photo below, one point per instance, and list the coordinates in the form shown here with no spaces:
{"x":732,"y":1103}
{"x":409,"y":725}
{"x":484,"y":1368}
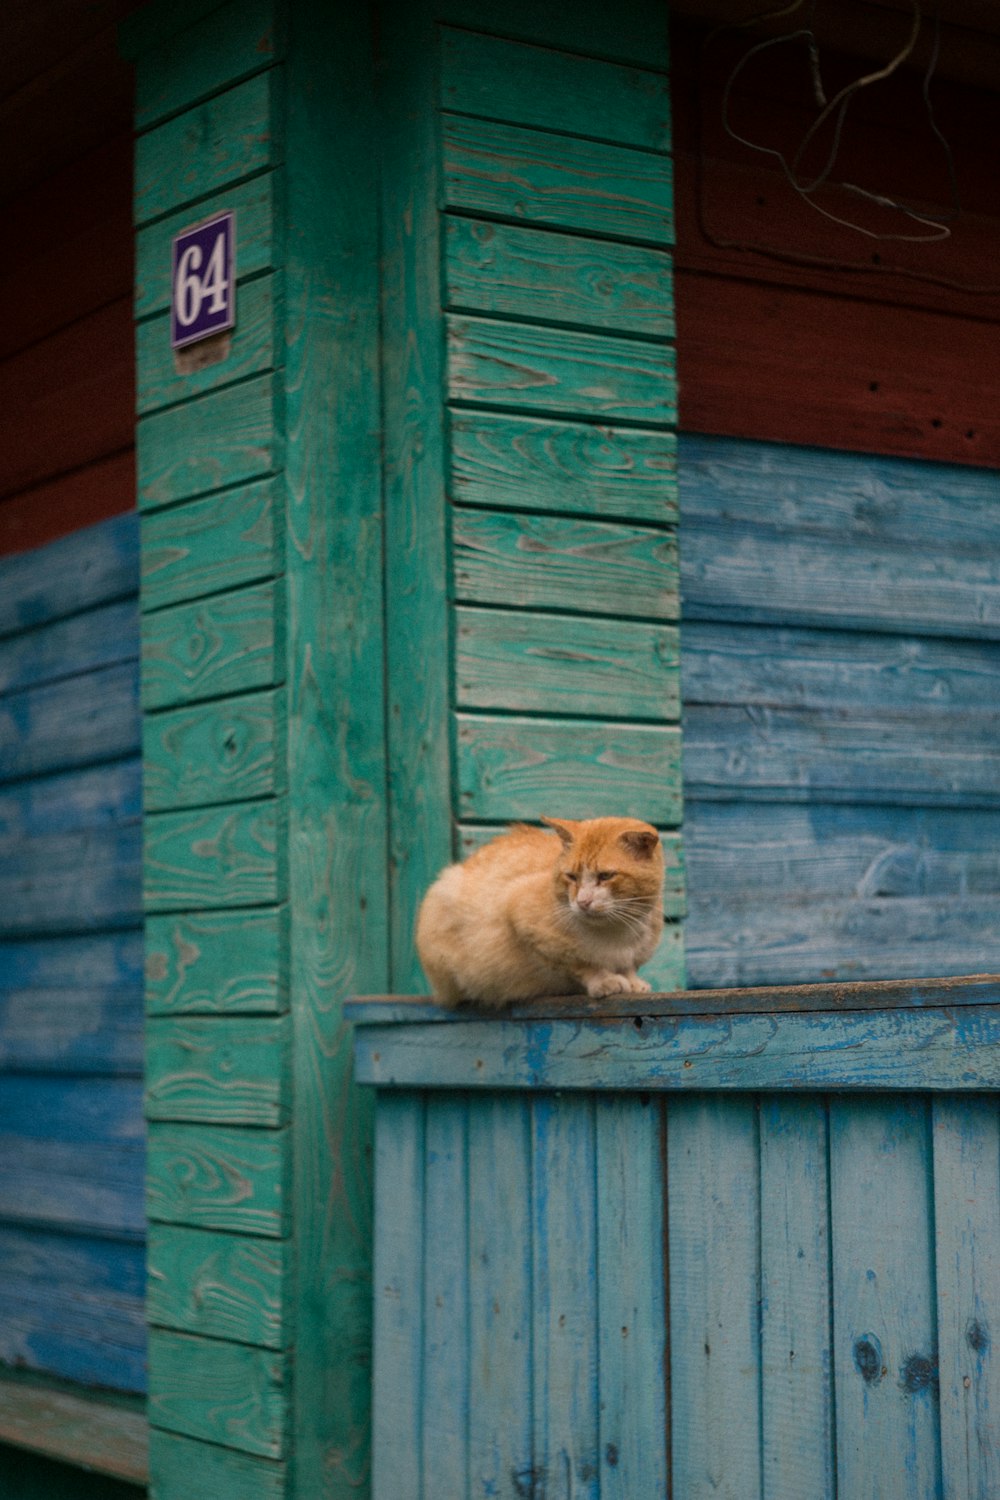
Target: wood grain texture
{"x":222,"y":1286}
{"x":632,"y":1352}
{"x":258,"y":242}
{"x":563,"y":1228}
{"x":517,"y":767}
{"x":885,"y":1341}
{"x":565,"y":664}
{"x":226,"y":644}
{"x":94,"y":566}
{"x":86,"y":1031}
{"x":208,"y":546}
{"x":224,"y":1178}
{"x":217,"y":962}
{"x":499,"y":1318}
{"x":554,"y":90}
{"x":227,"y":437}
{"x":218,"y":1070}
{"x":102,"y":707}
{"x":217,"y":857}
{"x":559,"y":370}
{"x":87,"y":798}
{"x":931,"y":1049}
{"x":224,"y":751}
{"x":797,"y":1398}
{"x":255,"y":348}
{"x":113,"y":959}
{"x":529,"y":463}
{"x":223,"y":140}
{"x":472,"y":836}
{"x":41,"y":890}
{"x":778,"y":534}
{"x":416,"y":542}
{"x":76,"y":1428}
{"x":447,"y":1357}
{"x":554,"y":562}
{"x":508,"y":271}
{"x":228,"y":44}
{"x":177,"y":1462}
{"x":558,"y":182}
{"x":966,"y":1165}
{"x":72,"y":1307}
{"x":714,"y":1213}
{"x":246,"y":1390}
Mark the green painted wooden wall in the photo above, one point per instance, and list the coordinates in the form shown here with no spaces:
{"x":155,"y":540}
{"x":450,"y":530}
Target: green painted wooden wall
{"x":409,"y":570}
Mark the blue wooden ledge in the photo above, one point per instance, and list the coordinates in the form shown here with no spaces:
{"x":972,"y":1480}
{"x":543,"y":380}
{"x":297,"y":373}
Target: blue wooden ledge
{"x":898,"y":1035}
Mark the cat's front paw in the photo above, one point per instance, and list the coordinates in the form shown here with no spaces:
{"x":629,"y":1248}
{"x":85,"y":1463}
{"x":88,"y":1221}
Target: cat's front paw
{"x":638,"y":985}
{"x":604,"y":983}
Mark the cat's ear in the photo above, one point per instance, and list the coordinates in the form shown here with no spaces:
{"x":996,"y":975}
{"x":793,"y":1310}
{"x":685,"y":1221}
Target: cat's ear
{"x":640,"y":844}
{"x":565,"y":829}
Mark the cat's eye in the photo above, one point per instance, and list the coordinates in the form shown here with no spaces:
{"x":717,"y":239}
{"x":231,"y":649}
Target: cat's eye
{"x":573,"y":876}
{"x":604,"y":875}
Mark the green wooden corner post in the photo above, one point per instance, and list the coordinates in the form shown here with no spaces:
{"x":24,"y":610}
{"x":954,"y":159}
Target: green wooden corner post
{"x":265,"y":808}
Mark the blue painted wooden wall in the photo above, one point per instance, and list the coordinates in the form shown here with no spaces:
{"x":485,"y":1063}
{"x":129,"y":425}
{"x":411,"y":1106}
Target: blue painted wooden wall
{"x":71,"y":1131}
{"x":841,"y":686}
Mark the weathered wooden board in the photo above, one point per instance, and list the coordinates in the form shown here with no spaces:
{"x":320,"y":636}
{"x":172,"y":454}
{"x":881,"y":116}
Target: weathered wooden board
{"x":225,"y":139}
{"x":69,"y":647}
{"x":565,"y":664}
{"x":178,"y":1463}
{"x":535,"y":177}
{"x":223,"y":1286}
{"x":225,"y":438}
{"x":531,"y":273}
{"x":228,"y":44}
{"x":73,"y":1307}
{"x":218,"y":1070}
{"x":471,"y":836}
{"x":94,"y":960}
{"x":797,"y":1405}
{"x":884,"y":1337}
{"x":80,"y":1031}
{"x":255,"y":347}
{"x":554,"y":562}
{"x":928,"y":1049}
{"x":216,"y":963}
{"x":220,"y":1178}
{"x":90,"y":797}
{"x":554,"y":90}
{"x":217,"y":857}
{"x":224,"y":751}
{"x":966,"y":1166}
{"x":636,"y":35}
{"x":82,"y":1430}
{"x":258,"y":245}
{"x":559,"y":370}
{"x":210,"y":545}
{"x":249,"y":1408}
{"x":714,"y":1213}
{"x":784,"y":535}
{"x":447,"y":1355}
{"x":41,"y":890}
{"x":521,"y":768}
{"x":560,"y":1217}
{"x":102,"y":707}
{"x":94,"y":566}
{"x":922,"y":758}
{"x":228,"y":643}
{"x":529,"y":463}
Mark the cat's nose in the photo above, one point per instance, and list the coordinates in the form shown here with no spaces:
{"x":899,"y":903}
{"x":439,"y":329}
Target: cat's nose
{"x":584,"y":902}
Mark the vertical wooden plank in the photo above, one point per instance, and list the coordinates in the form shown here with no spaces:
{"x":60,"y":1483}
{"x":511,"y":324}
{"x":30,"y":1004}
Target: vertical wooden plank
{"x":397,"y":1404}
{"x":885,"y":1354}
{"x":966,"y":1136}
{"x":336,"y":734}
{"x":796,"y":1358}
{"x":416,"y":556}
{"x":632,"y":1327}
{"x":714,"y":1215}
{"x":445,"y":1378}
{"x":564,"y":1298}
{"x":500,"y":1393}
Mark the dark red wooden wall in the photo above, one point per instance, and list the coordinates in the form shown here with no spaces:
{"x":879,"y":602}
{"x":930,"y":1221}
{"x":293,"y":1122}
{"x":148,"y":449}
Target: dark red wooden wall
{"x":66,"y":343}
{"x":794,"y":329}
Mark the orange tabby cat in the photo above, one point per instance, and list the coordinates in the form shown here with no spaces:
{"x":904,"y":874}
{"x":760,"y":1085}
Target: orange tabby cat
{"x":530,"y":914}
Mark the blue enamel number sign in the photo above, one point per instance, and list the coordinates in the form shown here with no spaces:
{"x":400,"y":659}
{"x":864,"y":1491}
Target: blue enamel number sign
{"x":204,"y":292}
